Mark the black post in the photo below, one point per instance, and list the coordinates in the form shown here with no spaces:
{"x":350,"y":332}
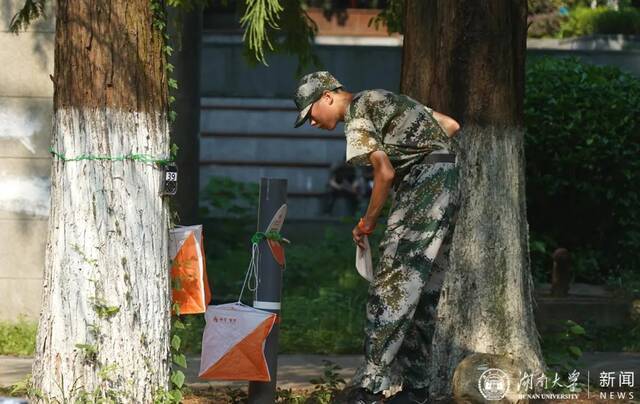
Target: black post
{"x":185,"y":130}
{"x":273,"y":194}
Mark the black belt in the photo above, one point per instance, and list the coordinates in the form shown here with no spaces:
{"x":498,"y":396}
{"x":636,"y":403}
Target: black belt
{"x":440,"y":158}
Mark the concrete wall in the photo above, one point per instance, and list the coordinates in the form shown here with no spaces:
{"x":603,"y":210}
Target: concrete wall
{"x":26,"y":93}
{"x":362,"y":63}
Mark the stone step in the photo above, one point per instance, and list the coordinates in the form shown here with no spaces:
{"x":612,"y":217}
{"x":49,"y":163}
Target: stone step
{"x":253,"y":115}
{"x":234,"y":148}
{"x":586,"y":304}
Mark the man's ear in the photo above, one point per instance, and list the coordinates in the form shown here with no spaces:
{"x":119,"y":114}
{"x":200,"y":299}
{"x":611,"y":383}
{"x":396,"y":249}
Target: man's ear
{"x":329,"y":96}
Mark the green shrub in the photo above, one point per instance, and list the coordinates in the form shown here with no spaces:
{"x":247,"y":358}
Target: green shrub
{"x":229,"y":209}
{"x":323,"y":301}
{"x":580,"y":22}
{"x":601,"y":20}
{"x":320,"y":279}
{"x":544,"y":6}
{"x":18,"y":338}
{"x":545,"y":25}
{"x":582,"y":146}
{"x":626,"y":21}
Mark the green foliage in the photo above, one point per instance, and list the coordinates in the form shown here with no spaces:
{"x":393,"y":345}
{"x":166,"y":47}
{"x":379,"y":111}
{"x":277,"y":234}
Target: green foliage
{"x":540,"y":249}
{"x":289,"y":30}
{"x":288,"y":396}
{"x":168,"y":396}
{"x":545,"y":25}
{"x":89,"y":351}
{"x":324,"y":391}
{"x":562,"y":351}
{"x":581,"y":22}
{"x":622,"y":338}
{"x":236,"y":396}
{"x":544,"y":6}
{"x":102,"y":309}
{"x":30,"y":11}
{"x":18,"y":338}
{"x":320,"y":278}
{"x":258,"y":18}
{"x":601,"y":20}
{"x":234,"y":199}
{"x":178,"y":360}
{"x":106,"y":372}
{"x":237,"y":203}
{"x":187,"y":5}
{"x":23,"y":388}
{"x":582,"y":144}
{"x":299,"y":34}
{"x":189,"y":329}
{"x":627,"y":280}
{"x":625,"y":21}
{"x":327,"y":386}
{"x":319,"y":282}
{"x":310,"y":325}
{"x":392,"y":16}
{"x":159,"y":23}
{"x":544,"y":19}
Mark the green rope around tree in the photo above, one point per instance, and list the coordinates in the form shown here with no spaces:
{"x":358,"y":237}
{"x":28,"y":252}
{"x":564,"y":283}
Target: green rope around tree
{"x":270,"y":235}
{"x":143,"y":158}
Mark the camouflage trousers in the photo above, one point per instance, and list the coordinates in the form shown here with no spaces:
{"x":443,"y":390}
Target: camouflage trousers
{"x":414,"y":255}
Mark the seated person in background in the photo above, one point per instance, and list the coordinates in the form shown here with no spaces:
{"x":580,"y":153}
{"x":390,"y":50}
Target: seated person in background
{"x":342,"y":184}
{"x":364,"y":185}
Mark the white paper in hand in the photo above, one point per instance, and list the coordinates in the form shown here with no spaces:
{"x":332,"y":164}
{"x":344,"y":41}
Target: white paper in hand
{"x":363,"y":260}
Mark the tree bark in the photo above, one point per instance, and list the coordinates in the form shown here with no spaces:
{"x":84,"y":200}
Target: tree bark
{"x":105,"y":320}
{"x":466,"y":59}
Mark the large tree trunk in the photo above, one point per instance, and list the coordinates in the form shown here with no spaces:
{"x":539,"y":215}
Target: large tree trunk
{"x":466,"y":59}
{"x":105,"y":320}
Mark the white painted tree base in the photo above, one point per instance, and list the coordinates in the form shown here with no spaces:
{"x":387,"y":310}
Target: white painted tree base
{"x":106,"y":279}
{"x":486,"y":303}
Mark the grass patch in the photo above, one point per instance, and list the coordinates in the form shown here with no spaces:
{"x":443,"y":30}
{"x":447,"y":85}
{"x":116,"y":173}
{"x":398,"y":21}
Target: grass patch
{"x":18,"y":338}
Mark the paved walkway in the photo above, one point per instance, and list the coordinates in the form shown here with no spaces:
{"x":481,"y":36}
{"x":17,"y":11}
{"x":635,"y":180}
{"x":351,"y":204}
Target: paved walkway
{"x":295,"y":371}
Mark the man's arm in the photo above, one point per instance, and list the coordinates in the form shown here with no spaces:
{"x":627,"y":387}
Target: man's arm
{"x":450,"y":125}
{"x":383,"y":175}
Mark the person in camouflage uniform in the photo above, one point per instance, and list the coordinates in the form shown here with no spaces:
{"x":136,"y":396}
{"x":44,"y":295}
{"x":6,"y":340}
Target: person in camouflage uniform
{"x":410,"y":147}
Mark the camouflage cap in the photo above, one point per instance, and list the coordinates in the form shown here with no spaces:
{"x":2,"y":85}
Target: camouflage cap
{"x":310,"y":88}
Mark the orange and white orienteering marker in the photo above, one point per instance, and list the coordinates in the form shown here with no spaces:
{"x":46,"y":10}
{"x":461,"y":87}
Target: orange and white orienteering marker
{"x":276,"y":247}
{"x":188,"y":269}
{"x":233,"y":343}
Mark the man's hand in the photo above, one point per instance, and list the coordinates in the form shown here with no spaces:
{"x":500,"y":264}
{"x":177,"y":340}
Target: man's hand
{"x":358,"y":234}
{"x":383,"y":175}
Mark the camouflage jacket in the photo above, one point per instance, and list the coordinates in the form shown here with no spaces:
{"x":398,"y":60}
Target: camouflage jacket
{"x":394,"y":123}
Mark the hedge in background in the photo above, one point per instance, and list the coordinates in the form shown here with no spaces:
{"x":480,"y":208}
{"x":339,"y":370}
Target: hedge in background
{"x":583,"y":166}
{"x":601,"y":20}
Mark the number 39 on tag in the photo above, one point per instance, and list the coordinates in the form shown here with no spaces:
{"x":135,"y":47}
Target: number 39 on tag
{"x":170,"y":184}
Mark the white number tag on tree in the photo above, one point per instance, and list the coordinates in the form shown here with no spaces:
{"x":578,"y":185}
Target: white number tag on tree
{"x":170,"y":184}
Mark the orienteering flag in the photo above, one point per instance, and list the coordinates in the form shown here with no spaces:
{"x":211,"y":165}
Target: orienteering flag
{"x":188,"y":269}
{"x":233,"y":343}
